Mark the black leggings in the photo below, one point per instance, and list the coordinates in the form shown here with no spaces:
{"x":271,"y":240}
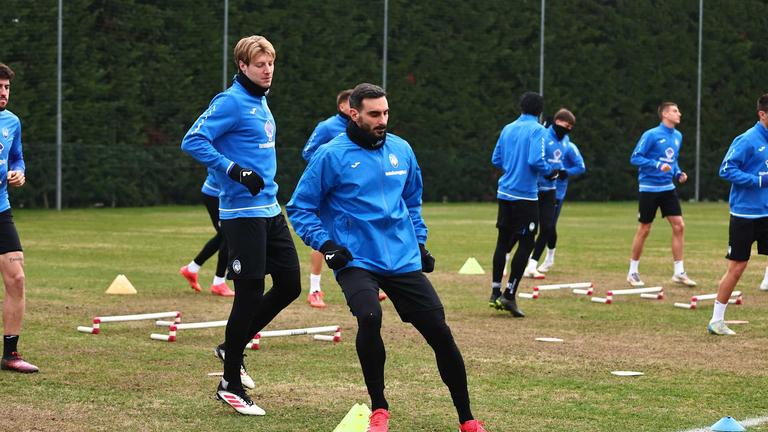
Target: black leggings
{"x":547,"y":203}
{"x":431,"y":324}
{"x":504,"y":243}
{"x":552,"y":243}
{"x":217,"y":243}
{"x":252,"y":310}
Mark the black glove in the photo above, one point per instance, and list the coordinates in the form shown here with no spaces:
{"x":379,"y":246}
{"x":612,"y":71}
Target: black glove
{"x":427,"y":260}
{"x":552,"y":175}
{"x":335,"y":256}
{"x":562,"y":175}
{"x":247,"y":177}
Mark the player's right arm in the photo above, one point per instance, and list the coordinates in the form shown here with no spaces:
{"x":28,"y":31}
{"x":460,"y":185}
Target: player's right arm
{"x":304,"y":207}
{"x":536,"y":154}
{"x":221,"y":117}
{"x":639,"y":158}
{"x":731,"y":168}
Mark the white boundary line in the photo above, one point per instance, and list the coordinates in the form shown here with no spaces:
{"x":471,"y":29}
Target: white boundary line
{"x":754,"y":421}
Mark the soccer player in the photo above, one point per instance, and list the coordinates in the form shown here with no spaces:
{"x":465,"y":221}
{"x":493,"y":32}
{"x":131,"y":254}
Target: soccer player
{"x":744,"y":166}
{"x":556,"y":149}
{"x":519,"y":153}
{"x":11,"y":255}
{"x":210,"y":192}
{"x":235,"y":137}
{"x":573,"y":165}
{"x":325,"y":131}
{"x":656,"y":158}
{"x":359,"y":203}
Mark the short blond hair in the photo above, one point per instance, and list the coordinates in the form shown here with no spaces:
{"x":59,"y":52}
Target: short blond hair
{"x":250,"y":47}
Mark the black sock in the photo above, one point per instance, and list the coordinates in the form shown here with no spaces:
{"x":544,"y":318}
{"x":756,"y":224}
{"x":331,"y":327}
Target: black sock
{"x":9,"y":345}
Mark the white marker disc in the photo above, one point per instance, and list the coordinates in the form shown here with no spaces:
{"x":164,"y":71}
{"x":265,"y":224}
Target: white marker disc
{"x":627,"y":373}
{"x":548,"y":339}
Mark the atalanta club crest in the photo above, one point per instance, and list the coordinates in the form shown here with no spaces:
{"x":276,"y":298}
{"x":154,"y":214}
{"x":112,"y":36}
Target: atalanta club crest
{"x":669,"y":152}
{"x":269,"y":129}
{"x":6,"y":133}
{"x":557,"y":154}
{"x":393,"y":160}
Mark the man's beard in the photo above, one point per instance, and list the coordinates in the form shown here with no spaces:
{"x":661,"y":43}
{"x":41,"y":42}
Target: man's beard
{"x":378,"y":133}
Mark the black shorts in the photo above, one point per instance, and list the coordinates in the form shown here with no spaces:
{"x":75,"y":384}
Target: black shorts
{"x":650,"y":201}
{"x":520,"y":216}
{"x":259,"y":246}
{"x":9,"y":238}
{"x":212,"y":205}
{"x":742,"y":232}
{"x":547,"y":204}
{"x":410,"y":293}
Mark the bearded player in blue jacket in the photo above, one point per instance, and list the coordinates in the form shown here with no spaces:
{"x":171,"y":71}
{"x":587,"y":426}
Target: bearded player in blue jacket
{"x":746,"y":166}
{"x":359,"y":203}
{"x":235,"y":137}
{"x":656,"y":158}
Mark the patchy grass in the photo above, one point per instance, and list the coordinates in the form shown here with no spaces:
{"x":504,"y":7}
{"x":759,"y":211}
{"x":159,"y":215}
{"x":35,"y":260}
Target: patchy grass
{"x":122,"y":380}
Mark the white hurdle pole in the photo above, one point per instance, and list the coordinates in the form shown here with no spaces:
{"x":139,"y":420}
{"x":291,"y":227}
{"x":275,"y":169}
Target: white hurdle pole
{"x":122,"y":318}
{"x":255,"y":343}
{"x":173,"y":327}
{"x":736,"y":298}
{"x":576,"y":285}
{"x":654,"y":293}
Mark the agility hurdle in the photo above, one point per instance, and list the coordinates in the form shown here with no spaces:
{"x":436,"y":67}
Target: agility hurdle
{"x":97,"y":321}
{"x":652,"y":293}
{"x":255,"y":343}
{"x":173,"y":327}
{"x":736,"y":298}
{"x":577,"y":288}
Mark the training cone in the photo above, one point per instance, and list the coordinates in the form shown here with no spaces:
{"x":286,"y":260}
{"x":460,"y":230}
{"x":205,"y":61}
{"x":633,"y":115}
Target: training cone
{"x":121,"y":285}
{"x":471,"y":267}
{"x":356,"y":419}
{"x":727,"y":424}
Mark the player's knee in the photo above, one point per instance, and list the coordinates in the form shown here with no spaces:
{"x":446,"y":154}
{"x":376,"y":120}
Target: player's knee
{"x":678,"y":227}
{"x":14,"y":285}
{"x":644,"y":230}
{"x":369,"y":320}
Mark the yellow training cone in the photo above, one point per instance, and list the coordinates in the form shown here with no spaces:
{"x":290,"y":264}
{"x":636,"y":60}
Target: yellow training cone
{"x":471,"y":267}
{"x":121,"y":285}
{"x":356,"y":419}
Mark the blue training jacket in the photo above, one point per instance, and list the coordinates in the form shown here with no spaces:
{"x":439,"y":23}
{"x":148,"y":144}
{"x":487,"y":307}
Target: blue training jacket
{"x":11,"y":157}
{"x":657,"y":146}
{"x":573,"y":165}
{"x":555,"y":151}
{"x":325,"y":131}
{"x":237,"y":128}
{"x":210,"y":187}
{"x":366,"y":200}
{"x":743,"y":166}
{"x":519,"y":152}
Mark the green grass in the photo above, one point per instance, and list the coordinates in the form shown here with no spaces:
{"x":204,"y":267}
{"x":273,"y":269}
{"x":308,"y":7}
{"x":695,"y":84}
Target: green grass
{"x":122,"y":380}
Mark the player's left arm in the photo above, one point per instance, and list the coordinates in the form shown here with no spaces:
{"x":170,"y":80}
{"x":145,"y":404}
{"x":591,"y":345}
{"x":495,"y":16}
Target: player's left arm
{"x":574,"y":162}
{"x":16,"y":166}
{"x":412,"y":197}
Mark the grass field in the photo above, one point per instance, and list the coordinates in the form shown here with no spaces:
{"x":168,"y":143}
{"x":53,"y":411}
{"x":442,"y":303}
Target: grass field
{"x":122,"y":380}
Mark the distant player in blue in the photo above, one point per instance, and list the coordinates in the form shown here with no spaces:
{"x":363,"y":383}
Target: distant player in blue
{"x":11,"y":255}
{"x":519,"y":153}
{"x":325,"y":131}
{"x":746,"y":166}
{"x":359,"y":203}
{"x":210,"y":192}
{"x":573,"y":165}
{"x":236,"y":138}
{"x":656,"y":156}
{"x":556,"y":149}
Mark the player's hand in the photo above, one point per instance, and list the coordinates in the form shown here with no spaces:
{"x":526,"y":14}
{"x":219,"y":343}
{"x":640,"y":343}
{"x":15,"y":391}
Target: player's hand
{"x":683,"y":177}
{"x":427,"y":260}
{"x":335,"y":256}
{"x":552,"y":175}
{"x":16,"y":178}
{"x":562,"y":175}
{"x":665,"y":168}
{"x":246,"y":177}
